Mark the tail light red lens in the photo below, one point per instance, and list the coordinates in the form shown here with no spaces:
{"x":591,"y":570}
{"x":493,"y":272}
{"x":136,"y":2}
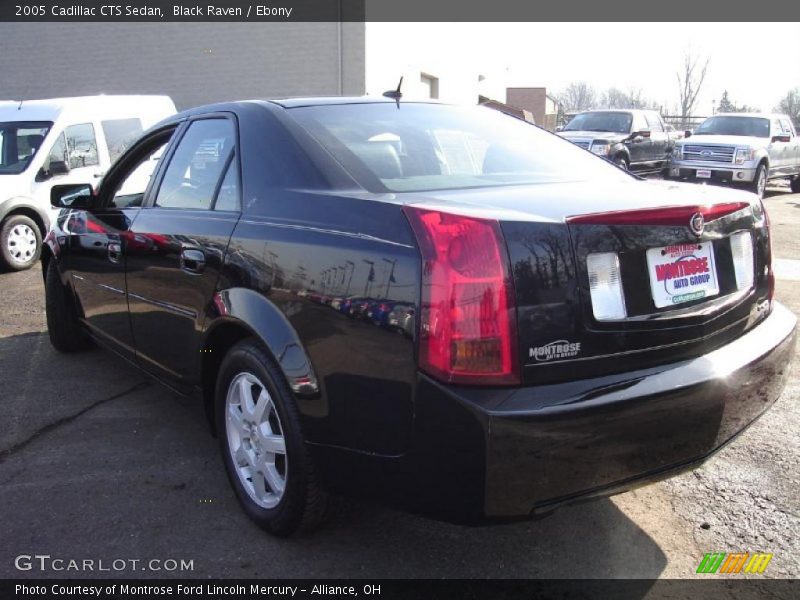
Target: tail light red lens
{"x":468,"y":318}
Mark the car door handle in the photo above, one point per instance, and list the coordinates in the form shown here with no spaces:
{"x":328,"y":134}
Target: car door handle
{"x":114,"y":251}
{"x":193,"y":260}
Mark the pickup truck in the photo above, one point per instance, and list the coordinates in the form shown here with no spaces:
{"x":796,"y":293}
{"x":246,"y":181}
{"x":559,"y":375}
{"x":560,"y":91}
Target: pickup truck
{"x":746,"y":149}
{"x":635,"y":140}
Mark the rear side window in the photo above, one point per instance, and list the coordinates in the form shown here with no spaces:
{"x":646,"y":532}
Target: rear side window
{"x":120,"y":134}
{"x":228,"y":194}
{"x":196,"y":167}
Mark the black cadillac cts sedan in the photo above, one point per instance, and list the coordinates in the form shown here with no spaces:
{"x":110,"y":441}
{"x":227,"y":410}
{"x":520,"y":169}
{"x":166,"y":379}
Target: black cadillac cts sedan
{"x":441,"y":307}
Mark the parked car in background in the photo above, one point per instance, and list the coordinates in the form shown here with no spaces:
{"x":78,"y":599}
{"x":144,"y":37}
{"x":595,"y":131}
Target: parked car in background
{"x":579,"y":330}
{"x":58,"y":141}
{"x":401,"y":319}
{"x":635,"y":140}
{"x":747,"y":149}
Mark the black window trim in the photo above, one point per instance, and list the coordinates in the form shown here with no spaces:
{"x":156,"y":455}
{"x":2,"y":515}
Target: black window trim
{"x":152,"y":192}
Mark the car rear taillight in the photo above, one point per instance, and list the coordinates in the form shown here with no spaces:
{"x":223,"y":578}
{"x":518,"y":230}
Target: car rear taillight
{"x":468,"y":318}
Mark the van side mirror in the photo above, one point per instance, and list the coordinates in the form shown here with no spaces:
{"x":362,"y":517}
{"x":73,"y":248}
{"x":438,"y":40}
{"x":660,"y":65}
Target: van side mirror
{"x":76,"y":195}
{"x":782,"y":137}
{"x":559,"y":128}
{"x":687,"y":133}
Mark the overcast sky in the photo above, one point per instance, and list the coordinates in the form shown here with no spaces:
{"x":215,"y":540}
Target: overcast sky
{"x":756,"y":62}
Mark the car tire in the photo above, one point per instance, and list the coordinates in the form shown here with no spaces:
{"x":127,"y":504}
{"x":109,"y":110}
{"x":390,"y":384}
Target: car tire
{"x":759,"y":183}
{"x":20,"y":242}
{"x":621,"y":162}
{"x":794,"y":185}
{"x":63,"y":326}
{"x":256,"y":416}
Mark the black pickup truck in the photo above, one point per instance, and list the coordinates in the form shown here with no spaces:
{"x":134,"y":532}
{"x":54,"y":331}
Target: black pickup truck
{"x":637,"y":140}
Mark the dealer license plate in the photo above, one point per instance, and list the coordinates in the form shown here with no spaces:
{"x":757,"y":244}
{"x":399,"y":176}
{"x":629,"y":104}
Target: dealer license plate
{"x":682,"y":273}
{"x":703,"y":173}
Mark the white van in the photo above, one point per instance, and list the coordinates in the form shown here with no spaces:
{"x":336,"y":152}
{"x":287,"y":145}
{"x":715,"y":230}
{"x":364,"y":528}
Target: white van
{"x":57,"y":141}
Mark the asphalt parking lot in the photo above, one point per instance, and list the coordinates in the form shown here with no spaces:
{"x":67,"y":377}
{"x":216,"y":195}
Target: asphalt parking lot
{"x":99,"y":462}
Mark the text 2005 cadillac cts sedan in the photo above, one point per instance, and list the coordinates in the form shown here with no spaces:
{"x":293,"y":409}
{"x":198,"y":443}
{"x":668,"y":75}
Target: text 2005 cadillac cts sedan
{"x":441,"y":307}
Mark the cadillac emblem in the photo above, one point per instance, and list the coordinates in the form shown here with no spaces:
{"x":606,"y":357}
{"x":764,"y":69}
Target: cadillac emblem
{"x":697,"y":224}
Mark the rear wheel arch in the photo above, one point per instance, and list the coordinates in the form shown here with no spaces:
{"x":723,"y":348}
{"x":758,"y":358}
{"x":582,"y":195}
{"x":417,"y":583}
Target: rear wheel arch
{"x":243,"y":314}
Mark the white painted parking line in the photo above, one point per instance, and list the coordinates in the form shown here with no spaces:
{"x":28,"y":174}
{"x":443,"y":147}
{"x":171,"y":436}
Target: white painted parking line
{"x":787,"y":268}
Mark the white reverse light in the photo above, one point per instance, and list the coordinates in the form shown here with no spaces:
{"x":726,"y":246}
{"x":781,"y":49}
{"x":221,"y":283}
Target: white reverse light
{"x":605,"y":286}
{"x":742,"y":251}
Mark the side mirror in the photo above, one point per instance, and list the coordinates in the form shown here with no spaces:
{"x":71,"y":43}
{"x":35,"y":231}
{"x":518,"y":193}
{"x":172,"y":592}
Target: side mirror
{"x":559,"y":128}
{"x":77,"y":195}
{"x":687,"y":133}
{"x":57,"y":167}
{"x":782,"y":137}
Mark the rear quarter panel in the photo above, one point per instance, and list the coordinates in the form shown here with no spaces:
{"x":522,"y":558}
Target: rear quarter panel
{"x":300,"y":250}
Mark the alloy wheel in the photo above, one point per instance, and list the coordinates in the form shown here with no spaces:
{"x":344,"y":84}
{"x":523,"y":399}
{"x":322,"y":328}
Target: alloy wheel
{"x":255,"y":440}
{"x":21,"y":243}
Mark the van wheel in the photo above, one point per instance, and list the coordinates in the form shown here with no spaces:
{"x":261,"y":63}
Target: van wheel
{"x":759,"y":183}
{"x":63,"y":326}
{"x":794,"y":184}
{"x":20,"y":241}
{"x":262,"y":445}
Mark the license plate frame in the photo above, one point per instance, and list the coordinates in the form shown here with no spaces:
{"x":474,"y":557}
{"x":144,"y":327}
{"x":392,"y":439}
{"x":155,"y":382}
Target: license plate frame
{"x":682,"y":273}
{"x":703,"y":173}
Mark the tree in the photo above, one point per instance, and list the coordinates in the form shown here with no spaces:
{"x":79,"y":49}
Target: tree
{"x":725,"y":105}
{"x":790,"y":105}
{"x":616,"y":98}
{"x":690,"y":81}
{"x":578,"y":96}
{"x":728,"y":106}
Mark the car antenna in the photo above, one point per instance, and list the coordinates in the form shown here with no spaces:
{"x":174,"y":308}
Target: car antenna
{"x":395,"y":94}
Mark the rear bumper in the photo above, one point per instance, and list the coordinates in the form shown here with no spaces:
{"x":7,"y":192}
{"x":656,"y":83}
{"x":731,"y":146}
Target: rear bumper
{"x":496,"y":453}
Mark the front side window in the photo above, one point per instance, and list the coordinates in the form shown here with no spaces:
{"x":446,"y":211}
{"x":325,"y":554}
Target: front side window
{"x":228,"y":194}
{"x":19,"y":143}
{"x":787,"y":127}
{"x":131,"y":190}
{"x":197,"y":165}
{"x":420,"y":147}
{"x":120,"y":134}
{"x":81,"y":146}
{"x":727,"y":125}
{"x":617,"y":122}
{"x":653,"y":122}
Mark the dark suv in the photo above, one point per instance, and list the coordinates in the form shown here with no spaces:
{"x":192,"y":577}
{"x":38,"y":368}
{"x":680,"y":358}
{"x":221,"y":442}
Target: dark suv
{"x":637,"y":140}
{"x":575,"y":330}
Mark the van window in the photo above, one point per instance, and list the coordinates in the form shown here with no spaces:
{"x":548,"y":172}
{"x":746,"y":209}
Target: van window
{"x":81,"y":146}
{"x":19,"y":143}
{"x":196,"y":166}
{"x":120,"y":134}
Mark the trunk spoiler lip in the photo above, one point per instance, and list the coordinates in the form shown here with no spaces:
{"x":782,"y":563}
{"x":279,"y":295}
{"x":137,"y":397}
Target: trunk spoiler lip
{"x":679,"y":215}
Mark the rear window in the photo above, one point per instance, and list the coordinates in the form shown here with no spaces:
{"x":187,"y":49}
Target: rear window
{"x":420,"y":147}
